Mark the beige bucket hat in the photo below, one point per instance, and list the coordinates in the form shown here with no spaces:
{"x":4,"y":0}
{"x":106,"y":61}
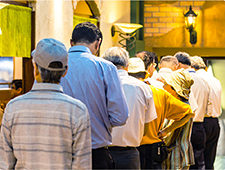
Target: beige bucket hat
{"x":181,"y":81}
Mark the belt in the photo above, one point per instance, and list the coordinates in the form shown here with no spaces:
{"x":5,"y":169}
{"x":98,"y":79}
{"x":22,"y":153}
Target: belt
{"x":210,"y":117}
{"x":102,"y":148}
{"x":198,"y":123}
{"x":119,"y":148}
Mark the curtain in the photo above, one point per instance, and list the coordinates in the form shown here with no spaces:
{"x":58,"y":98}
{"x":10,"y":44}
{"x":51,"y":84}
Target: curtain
{"x":15,"y":31}
{"x":78,"y":19}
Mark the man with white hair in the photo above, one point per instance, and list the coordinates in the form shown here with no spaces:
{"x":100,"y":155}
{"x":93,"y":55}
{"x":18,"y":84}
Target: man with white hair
{"x":141,"y":108}
{"x":167,"y":65}
{"x":44,"y":128}
{"x":211,"y":123}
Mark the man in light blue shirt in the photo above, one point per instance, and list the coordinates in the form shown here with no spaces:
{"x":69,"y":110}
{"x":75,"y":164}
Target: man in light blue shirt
{"x":95,"y":82}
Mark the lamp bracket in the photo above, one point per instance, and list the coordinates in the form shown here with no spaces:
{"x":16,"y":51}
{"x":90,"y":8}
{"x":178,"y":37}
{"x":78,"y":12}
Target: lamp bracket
{"x":193,"y":36}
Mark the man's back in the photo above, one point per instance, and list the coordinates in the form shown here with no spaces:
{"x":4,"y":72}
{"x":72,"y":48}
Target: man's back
{"x":46,"y":129}
{"x":167,"y":107}
{"x":95,"y":82}
{"x":214,"y":109}
{"x":200,"y":90}
{"x":141,"y":109}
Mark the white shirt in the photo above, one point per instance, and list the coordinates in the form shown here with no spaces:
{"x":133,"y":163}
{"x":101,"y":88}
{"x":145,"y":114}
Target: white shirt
{"x":192,"y":101}
{"x":214,"y":110}
{"x":141,"y":110}
{"x":200,"y":91}
{"x":160,"y":72}
{"x":155,"y":82}
{"x":155,"y":73}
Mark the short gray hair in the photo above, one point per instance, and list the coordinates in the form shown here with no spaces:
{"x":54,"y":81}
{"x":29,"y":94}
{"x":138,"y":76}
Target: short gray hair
{"x":117,"y":55}
{"x":48,"y":76}
{"x":197,"y":62}
{"x":169,"y":59}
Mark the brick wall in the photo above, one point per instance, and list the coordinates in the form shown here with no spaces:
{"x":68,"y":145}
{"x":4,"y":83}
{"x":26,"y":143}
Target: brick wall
{"x":160,"y":18}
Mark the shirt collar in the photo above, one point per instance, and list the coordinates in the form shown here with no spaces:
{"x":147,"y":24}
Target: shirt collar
{"x":79,"y":48}
{"x":165,"y":70}
{"x":191,"y":70}
{"x":201,"y":71}
{"x":122,"y":72}
{"x":47,"y":87}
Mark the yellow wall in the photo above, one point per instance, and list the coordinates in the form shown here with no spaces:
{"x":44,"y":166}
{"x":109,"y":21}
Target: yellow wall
{"x":164,"y":25}
{"x":82,"y":9}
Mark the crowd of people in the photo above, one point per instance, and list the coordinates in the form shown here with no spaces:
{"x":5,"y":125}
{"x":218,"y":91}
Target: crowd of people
{"x":112,"y":111}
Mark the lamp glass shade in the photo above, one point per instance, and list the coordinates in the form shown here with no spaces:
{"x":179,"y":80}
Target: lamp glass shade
{"x":190,"y":21}
{"x":127,"y":28}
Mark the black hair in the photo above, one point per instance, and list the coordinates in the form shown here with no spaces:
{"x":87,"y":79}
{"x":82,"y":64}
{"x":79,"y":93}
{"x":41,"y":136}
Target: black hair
{"x":18,"y":83}
{"x":48,"y":76}
{"x":138,"y":75}
{"x":148,"y":58}
{"x":86,"y":32}
{"x":183,"y":58}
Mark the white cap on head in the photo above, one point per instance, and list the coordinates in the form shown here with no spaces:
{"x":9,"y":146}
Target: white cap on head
{"x":48,"y":51}
{"x":136,"y":65}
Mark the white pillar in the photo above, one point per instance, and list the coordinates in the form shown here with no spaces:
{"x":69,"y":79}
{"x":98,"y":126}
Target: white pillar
{"x":54,"y":19}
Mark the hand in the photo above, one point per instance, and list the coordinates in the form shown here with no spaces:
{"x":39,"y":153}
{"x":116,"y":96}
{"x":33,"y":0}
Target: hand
{"x":162,"y":134}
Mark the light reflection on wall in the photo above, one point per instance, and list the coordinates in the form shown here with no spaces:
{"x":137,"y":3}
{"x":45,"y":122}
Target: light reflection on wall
{"x":218,"y":70}
{"x":58,"y":17}
{"x":6,"y":70}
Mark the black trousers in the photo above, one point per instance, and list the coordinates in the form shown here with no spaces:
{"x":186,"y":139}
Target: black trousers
{"x":198,"y":141}
{"x":212,"y":130}
{"x":101,"y":159}
{"x":148,"y":154}
{"x":125,"y":157}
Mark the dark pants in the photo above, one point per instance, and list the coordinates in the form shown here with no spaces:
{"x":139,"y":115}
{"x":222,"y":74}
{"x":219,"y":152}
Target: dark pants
{"x":198,"y":140}
{"x":148,"y":154}
{"x":101,"y":159}
{"x":212,"y":130}
{"x":125,"y":157}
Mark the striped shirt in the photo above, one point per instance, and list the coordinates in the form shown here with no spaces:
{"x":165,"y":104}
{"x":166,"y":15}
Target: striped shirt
{"x":181,"y":155}
{"x":45,"y":129}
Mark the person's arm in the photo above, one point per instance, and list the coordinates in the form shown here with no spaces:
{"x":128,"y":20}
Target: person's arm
{"x":150,"y":113}
{"x":81,"y":156}
{"x":7,"y":158}
{"x":175,"y":125}
{"x":116,"y":103}
{"x":177,"y":111}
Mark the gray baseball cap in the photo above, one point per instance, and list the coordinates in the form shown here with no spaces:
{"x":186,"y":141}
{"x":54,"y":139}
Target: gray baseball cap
{"x":48,"y":51}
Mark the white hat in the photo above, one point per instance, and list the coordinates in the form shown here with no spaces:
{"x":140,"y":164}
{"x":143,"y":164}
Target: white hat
{"x":136,"y":65}
{"x":48,"y":51}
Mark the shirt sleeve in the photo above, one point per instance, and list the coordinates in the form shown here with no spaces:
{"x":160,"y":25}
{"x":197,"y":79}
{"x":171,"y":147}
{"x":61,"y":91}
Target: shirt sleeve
{"x":82,"y":143}
{"x":214,"y":109}
{"x":193,"y":102}
{"x":176,"y":109}
{"x":150,"y":114}
{"x":7,"y":158}
{"x":116,"y":103}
